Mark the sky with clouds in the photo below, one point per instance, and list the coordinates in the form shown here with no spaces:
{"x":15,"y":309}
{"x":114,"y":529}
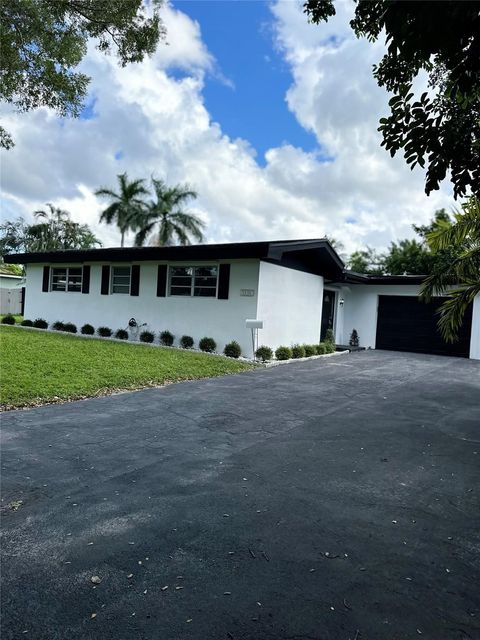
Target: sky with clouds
{"x":271,"y":119}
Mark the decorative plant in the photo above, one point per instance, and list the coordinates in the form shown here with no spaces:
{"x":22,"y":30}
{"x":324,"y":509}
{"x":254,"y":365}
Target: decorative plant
{"x":310,"y":350}
{"x":104,"y":332}
{"x":8,"y":319}
{"x":26,"y":323}
{"x":354,"y":339}
{"x":147,"y":336}
{"x":121,"y":334}
{"x":40,"y":323}
{"x":58,"y":326}
{"x":70,"y":327}
{"x":166,"y":338}
{"x":187,"y":342}
{"x":87,"y":330}
{"x":321,"y":349}
{"x":233,"y":349}
{"x":298,"y":351}
{"x":263,"y":353}
{"x":207,"y":344}
{"x":330,"y":346}
{"x":329,"y":336}
{"x":283,"y":353}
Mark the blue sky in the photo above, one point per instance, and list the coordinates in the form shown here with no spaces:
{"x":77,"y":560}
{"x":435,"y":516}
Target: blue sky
{"x":240,"y":36}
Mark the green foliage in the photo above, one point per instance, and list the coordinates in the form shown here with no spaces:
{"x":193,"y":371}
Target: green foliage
{"x":187,"y":342}
{"x":439,"y":130}
{"x":330,"y":347}
{"x":26,"y":323}
{"x":263,"y":353}
{"x":147,"y":336}
{"x":321,"y":349}
{"x":408,"y":257}
{"x":58,"y":325}
{"x":207,"y":344}
{"x":457,"y":275}
{"x":43,"y":366}
{"x":366,"y":261}
{"x":40,"y":323}
{"x":298,"y":351}
{"x":52,"y":231}
{"x":87,"y":330}
{"x":310,"y":350}
{"x":121,"y":334}
{"x":8,"y":319}
{"x":283,"y":353}
{"x":69,"y":327}
{"x":43,"y":43}
{"x":104,"y":332}
{"x":329,"y":336}
{"x":175,"y":225}
{"x":233,"y":349}
{"x":10,"y":269}
{"x":166,"y":338}
{"x":354,"y":339}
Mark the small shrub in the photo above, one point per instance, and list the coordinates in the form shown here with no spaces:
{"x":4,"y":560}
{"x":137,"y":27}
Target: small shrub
{"x":330,"y":347}
{"x":283,"y":353}
{"x":26,"y":323}
{"x":69,"y":327}
{"x":87,"y":330}
{"x":310,"y":350}
{"x":104,"y":332}
{"x":329,"y":337}
{"x":207,"y":344}
{"x":321,"y":349}
{"x":40,"y":323}
{"x":121,"y":334}
{"x":147,"y":336}
{"x":233,"y":349}
{"x":166,"y":338}
{"x":8,"y":319}
{"x":58,"y":326}
{"x":186,"y":342}
{"x":354,"y":339}
{"x":263,"y":353}
{"x":298,"y":351}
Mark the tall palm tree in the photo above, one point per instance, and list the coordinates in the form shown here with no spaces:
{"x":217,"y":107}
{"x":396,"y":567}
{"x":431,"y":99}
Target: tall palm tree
{"x":126,"y":208}
{"x":457,"y":273}
{"x":175,"y":225}
{"x":54,"y":230}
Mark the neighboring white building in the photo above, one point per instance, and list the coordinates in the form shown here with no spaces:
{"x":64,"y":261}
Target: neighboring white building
{"x":11,"y":293}
{"x":297,"y":288}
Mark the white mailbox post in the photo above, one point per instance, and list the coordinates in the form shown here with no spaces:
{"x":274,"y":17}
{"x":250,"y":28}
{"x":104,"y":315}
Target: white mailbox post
{"x":254,"y":325}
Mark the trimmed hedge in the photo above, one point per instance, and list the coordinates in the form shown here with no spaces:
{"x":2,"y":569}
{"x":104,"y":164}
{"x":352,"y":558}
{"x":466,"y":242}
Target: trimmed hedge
{"x":310,"y":350}
{"x":87,"y":330}
{"x":121,"y":334}
{"x":147,"y":336}
{"x":104,"y":332}
{"x":283,"y":353}
{"x":233,"y":349}
{"x":26,"y":323}
{"x":321,"y":349}
{"x":329,"y":337}
{"x":330,"y":346}
{"x":207,"y":344}
{"x":264,"y":353}
{"x":298,"y":351}
{"x":187,"y":342}
{"x":58,"y":326}
{"x":40,"y":323}
{"x":69,"y":327}
{"x":166,"y":338}
{"x":8,"y":319}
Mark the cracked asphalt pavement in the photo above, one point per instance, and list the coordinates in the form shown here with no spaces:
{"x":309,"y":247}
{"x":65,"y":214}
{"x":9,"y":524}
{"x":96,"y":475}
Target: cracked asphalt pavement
{"x":330,"y":500}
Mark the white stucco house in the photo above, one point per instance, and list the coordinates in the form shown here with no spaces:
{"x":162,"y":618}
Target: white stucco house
{"x":298,"y":288}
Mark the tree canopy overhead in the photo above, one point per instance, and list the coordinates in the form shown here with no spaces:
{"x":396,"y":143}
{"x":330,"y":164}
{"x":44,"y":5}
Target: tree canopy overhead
{"x":43,"y":41}
{"x":439,"y":130}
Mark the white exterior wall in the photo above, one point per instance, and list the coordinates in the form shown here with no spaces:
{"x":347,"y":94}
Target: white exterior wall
{"x":475,"y":339}
{"x":290,"y":305}
{"x":223,"y":320}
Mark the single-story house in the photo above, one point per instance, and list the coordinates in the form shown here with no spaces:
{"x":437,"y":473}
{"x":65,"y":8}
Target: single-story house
{"x":297,"y":288}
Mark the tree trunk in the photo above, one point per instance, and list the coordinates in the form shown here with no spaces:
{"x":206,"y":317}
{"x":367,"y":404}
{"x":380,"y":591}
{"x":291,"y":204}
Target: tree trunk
{"x":122,"y":238}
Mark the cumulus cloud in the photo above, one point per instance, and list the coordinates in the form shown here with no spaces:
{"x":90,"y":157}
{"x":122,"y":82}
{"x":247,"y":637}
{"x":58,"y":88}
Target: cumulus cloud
{"x":146,"y":121}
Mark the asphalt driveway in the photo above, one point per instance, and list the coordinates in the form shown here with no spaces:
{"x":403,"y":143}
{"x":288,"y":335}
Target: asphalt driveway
{"x":331,"y":499}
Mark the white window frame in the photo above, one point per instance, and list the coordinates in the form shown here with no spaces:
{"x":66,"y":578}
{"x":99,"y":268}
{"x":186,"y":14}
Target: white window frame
{"x":192,"y":280}
{"x":120,"y":266}
{"x":67,"y":277}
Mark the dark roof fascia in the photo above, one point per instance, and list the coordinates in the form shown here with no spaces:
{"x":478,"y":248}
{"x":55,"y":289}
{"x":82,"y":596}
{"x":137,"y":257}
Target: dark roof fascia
{"x":351,"y":277}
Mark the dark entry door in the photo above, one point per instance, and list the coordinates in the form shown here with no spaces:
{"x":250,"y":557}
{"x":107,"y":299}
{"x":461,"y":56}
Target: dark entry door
{"x":328,"y":312}
{"x":407,"y":324}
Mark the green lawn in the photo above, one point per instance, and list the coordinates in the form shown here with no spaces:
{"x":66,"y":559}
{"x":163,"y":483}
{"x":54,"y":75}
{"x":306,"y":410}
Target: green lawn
{"x":40,"y":367}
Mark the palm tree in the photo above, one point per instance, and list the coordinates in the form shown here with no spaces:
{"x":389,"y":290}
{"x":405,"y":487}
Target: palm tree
{"x":55,"y":231}
{"x":457,"y":272}
{"x":175,"y":224}
{"x":127,"y":206}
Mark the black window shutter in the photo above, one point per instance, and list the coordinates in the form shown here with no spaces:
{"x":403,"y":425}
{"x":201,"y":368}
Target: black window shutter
{"x":135,"y":280}
{"x":46,"y":278}
{"x":162,"y":281}
{"x":86,"y":279}
{"x":105,"y":280}
{"x":223,"y":281}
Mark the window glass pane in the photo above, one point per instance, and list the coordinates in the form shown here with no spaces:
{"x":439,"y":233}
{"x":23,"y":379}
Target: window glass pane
{"x":206,"y":271}
{"x":178,"y":281}
{"x":121,"y":280}
{"x":74,"y":279}
{"x":206,"y":292}
{"x":59,"y":279}
{"x":121,"y":271}
{"x":181,"y":271}
{"x":121,"y":288}
{"x":180,"y":291}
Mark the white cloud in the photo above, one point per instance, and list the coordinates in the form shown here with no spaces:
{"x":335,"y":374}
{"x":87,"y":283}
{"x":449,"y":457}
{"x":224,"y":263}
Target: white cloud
{"x":161,"y":125}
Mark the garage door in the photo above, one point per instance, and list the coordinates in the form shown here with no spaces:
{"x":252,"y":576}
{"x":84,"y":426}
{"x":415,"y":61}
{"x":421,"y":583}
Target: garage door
{"x":406,"y":324}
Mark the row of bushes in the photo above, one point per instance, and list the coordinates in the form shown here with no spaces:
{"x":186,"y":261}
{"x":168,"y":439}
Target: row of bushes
{"x":264,"y":353}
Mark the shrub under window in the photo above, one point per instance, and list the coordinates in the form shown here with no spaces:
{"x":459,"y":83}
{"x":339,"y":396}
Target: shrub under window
{"x":166,"y":338}
{"x":310,"y":350}
{"x":40,"y":323}
{"x":69,"y":327}
{"x":298,"y":351}
{"x":233,"y":349}
{"x":147,"y":336}
{"x":264,"y":353}
{"x":121,"y":334}
{"x":8,"y":319}
{"x":87,"y":330}
{"x":283,"y":353}
{"x":58,"y":326}
{"x":26,"y":323}
{"x":321,"y":349}
{"x":186,"y":342}
{"x":207,"y":344}
{"x":104,"y":332}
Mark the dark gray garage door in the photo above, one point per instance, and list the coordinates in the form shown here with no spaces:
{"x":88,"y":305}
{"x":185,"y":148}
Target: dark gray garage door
{"x":406,"y":324}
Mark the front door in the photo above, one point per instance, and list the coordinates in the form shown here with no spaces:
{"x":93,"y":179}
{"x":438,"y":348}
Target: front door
{"x":328,"y":312}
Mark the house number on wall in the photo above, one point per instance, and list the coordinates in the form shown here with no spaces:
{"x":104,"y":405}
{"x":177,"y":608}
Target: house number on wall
{"x":247,"y":292}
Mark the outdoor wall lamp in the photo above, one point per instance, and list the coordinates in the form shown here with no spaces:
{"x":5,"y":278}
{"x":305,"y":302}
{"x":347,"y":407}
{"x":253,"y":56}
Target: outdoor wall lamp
{"x":341,"y":302}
